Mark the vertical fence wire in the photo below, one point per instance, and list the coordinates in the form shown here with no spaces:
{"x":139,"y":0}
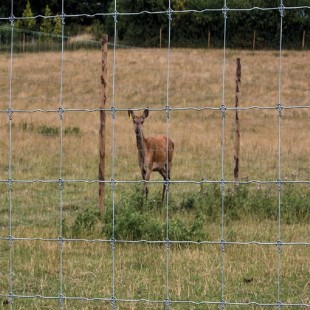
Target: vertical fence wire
{"x":10,"y":182}
{"x":279,"y":154}
{"x":223,"y":108}
{"x":113,"y":244}
{"x":167,"y":181}
{"x":222,"y":243}
{"x":60,"y":181}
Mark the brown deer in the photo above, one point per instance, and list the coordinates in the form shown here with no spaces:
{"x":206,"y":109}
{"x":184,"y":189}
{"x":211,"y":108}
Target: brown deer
{"x":152,"y":152}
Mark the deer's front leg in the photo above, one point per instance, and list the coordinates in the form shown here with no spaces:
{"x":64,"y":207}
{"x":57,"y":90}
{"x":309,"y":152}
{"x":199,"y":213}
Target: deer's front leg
{"x":143,"y":173}
{"x":148,"y":171}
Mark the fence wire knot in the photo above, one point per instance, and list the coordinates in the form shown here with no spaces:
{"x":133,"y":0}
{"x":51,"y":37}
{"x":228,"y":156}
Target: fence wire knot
{"x":223,"y":242}
{"x":113,"y":112}
{"x":10,"y":113}
{"x":223,"y":110}
{"x":62,"y":17}
{"x":12,"y":19}
{"x":167,"y":244}
{"x":11,"y":296}
{"x":169,"y":14}
{"x":60,"y":242}
{"x":222,"y":304}
{"x":279,"y":246}
{"x":113,"y":242}
{"x":60,"y":184}
{"x":225,"y":11}
{"x":10,"y":238}
{"x":61,"y":299}
{"x":282,"y":9}
{"x":279,"y":184}
{"x":167,"y":185}
{"x":115,"y":16}
{"x":223,"y":182}
{"x":113,"y":184}
{"x":60,"y":112}
{"x":279,"y":304}
{"x":167,"y":109}
{"x":280,"y":108}
{"x":113,"y":302}
{"x":10,"y":183}
{"x":167,"y":303}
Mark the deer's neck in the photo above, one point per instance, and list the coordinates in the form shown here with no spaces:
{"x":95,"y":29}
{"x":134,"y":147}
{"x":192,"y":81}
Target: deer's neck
{"x":141,"y":145}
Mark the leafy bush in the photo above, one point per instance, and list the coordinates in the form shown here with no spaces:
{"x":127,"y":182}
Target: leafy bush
{"x":85,"y":222}
{"x":137,"y":218}
{"x":131,"y":222}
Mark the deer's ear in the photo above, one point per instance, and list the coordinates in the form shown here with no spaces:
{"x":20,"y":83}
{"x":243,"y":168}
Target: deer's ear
{"x":131,"y":114}
{"x":146,"y":113}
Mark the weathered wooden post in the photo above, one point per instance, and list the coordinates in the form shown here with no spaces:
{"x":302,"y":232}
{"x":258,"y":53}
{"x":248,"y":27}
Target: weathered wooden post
{"x":254,"y":39}
{"x":104,"y":53}
{"x":209,"y":37}
{"x":303,"y":39}
{"x":237,"y":131}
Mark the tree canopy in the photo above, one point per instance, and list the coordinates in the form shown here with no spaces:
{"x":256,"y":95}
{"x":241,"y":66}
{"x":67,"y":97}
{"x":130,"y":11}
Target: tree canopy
{"x":194,"y":22}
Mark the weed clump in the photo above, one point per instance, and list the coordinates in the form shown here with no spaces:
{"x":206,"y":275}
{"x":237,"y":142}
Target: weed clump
{"x":137,"y":218}
{"x":84,"y":225}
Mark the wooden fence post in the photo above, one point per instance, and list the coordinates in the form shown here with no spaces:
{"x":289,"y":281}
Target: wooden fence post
{"x":237,"y":131}
{"x":209,"y":37}
{"x":104,"y":51}
{"x":254,"y":40}
{"x":303,"y":39}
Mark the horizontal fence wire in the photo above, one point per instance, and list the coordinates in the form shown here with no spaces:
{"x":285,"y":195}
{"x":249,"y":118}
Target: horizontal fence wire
{"x":113,"y":110}
{"x":169,"y":11}
{"x":113,"y":300}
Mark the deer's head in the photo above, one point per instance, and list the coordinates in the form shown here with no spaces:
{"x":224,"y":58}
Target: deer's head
{"x":138,"y":120}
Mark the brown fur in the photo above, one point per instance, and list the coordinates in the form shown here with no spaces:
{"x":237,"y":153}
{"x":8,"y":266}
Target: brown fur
{"x":152,"y":152}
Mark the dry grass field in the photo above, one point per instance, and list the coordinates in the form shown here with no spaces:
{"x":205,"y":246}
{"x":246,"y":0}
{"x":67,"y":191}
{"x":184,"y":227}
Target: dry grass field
{"x":195,"y":271}
{"x":140,"y":81}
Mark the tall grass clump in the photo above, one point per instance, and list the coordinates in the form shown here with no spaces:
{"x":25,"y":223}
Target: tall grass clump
{"x":137,"y":218}
{"x":242,"y":202}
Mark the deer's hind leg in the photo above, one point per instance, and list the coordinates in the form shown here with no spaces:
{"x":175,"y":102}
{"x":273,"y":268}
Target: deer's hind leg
{"x":166,"y":176}
{"x":163,"y":173}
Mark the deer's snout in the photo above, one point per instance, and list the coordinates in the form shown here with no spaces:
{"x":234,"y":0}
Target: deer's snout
{"x":137,"y":129}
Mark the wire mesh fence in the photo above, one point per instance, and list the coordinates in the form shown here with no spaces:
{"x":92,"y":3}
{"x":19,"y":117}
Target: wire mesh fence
{"x":81,"y":271}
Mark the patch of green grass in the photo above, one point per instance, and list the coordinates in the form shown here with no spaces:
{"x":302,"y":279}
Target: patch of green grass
{"x":72,"y":131}
{"x":48,"y":130}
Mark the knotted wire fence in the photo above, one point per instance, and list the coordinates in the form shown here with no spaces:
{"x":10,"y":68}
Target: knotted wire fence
{"x":114,"y":301}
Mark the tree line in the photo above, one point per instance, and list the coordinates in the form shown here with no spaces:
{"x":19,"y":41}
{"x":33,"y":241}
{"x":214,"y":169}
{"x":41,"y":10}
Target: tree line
{"x":201,"y":27}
